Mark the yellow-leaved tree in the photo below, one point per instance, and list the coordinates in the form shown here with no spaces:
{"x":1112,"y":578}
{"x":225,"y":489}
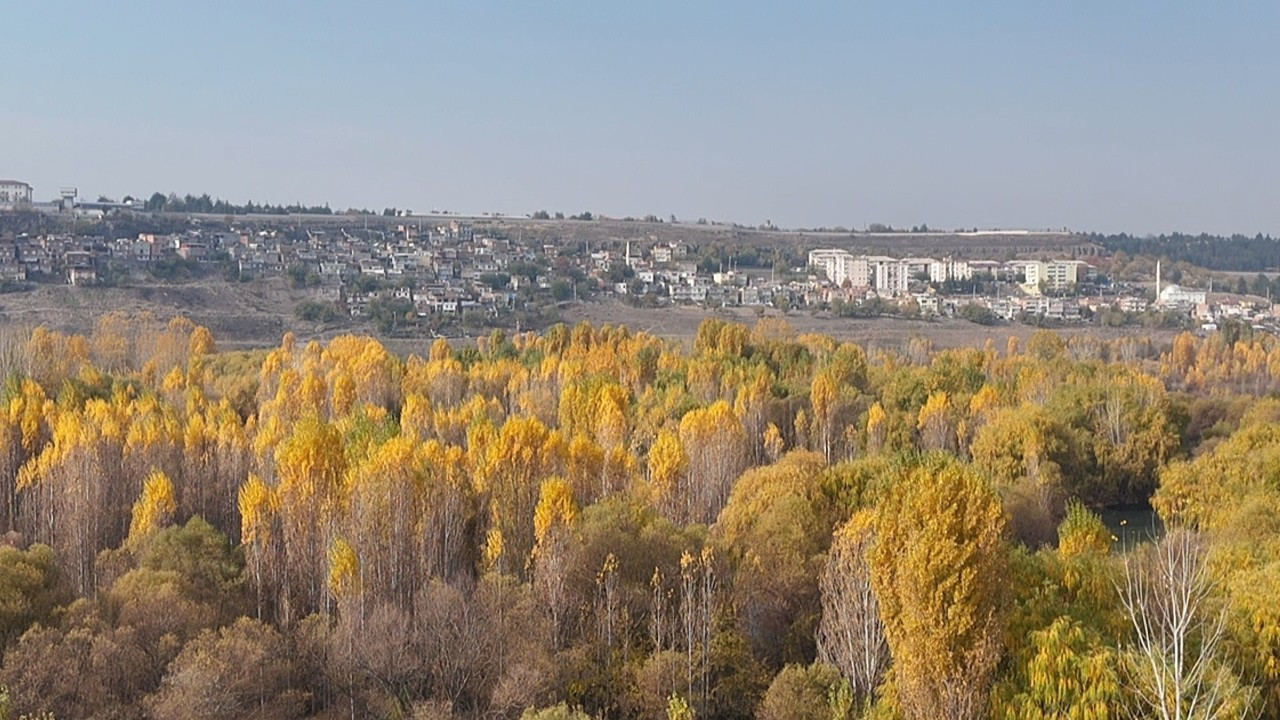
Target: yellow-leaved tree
{"x":1071,"y":675}
{"x":851,"y":634}
{"x":154,"y":508}
{"x":344,"y":567}
{"x":508,"y":469}
{"x":556,"y":513}
{"x":667,"y":464}
{"x":939,"y":570}
{"x":937,"y":431}
{"x":556,"y":508}
{"x":716,"y":445}
{"x":259,"y":507}
{"x":877,"y":429}
{"x":310,"y":466}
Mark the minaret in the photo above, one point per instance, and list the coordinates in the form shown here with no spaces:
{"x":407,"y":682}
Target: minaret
{"x":1157,"y":282}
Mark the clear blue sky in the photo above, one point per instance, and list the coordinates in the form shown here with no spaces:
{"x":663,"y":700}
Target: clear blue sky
{"x":1137,"y":116}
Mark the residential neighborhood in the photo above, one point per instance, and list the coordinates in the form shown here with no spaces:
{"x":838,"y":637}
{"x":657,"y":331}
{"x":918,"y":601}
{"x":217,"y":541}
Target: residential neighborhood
{"x":417,"y":275}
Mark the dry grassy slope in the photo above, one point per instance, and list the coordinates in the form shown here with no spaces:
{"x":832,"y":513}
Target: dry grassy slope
{"x":240,"y":315}
{"x":257,"y":314}
{"x":681,"y":323}
{"x":899,"y":244}
{"x":614,"y":232}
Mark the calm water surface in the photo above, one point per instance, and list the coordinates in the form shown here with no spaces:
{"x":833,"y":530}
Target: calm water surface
{"x":1132,"y":525}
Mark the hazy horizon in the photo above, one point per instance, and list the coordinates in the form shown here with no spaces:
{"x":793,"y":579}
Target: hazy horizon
{"x":1142,"y":118}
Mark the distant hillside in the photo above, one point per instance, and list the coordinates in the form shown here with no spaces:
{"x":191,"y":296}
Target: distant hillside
{"x":1237,"y":253}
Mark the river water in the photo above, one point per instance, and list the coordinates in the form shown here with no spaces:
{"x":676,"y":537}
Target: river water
{"x":1132,"y":525}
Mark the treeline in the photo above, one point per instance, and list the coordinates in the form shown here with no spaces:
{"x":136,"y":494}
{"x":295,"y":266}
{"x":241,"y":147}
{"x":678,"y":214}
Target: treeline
{"x":160,"y":202}
{"x":1238,"y":253}
{"x":594,"y":522}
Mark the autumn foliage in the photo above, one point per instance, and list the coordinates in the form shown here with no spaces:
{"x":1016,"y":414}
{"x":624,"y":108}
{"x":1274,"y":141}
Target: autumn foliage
{"x":598,"y":522}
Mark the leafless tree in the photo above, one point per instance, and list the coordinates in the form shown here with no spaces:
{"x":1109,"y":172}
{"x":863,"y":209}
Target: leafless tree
{"x":13,"y":353}
{"x":607,"y":603}
{"x":375,"y":660}
{"x":699,"y":587}
{"x":550,"y":568}
{"x":454,"y":637}
{"x":659,"y":609}
{"x":1174,"y":666}
{"x":851,"y":634}
{"x":482,"y":649}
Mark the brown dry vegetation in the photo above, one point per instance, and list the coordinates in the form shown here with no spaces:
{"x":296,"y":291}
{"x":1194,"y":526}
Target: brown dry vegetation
{"x":681,"y":323}
{"x":246,"y":315}
{"x":257,"y":314}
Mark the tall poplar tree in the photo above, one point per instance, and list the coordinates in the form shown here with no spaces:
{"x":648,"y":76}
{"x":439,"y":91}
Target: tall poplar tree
{"x":939,"y":568}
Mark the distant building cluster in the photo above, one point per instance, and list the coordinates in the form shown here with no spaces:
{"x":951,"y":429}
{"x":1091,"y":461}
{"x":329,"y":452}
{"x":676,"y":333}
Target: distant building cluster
{"x":445,"y":270}
{"x":56,"y":257}
{"x":886,"y":275}
{"x":892,"y":276}
{"x":1048,"y":289}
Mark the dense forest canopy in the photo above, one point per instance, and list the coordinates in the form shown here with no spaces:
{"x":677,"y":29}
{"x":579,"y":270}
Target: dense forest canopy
{"x":1240,"y":253}
{"x":595,"y":522}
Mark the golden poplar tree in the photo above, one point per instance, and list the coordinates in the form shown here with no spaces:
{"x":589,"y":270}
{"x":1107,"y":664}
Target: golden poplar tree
{"x":715,"y":443}
{"x":553,"y":519}
{"x":851,"y":634}
{"x":877,"y":428}
{"x":667,"y":464}
{"x":310,"y":466}
{"x":939,"y":571}
{"x":259,"y":507}
{"x":935,"y":424}
{"x":509,"y":467}
{"x":155,"y":507}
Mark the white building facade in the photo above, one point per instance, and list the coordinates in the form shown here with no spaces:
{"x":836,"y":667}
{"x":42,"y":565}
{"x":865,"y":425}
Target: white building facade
{"x":1180,"y":296}
{"x":892,"y":278}
{"x":1053,"y":275}
{"x":888,"y":276}
{"x":14,"y":192}
{"x":943,"y":270}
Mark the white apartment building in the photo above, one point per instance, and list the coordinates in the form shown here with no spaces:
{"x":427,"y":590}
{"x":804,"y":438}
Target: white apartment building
{"x":944,"y":270}
{"x":834,"y":263}
{"x":844,"y":268}
{"x":893,"y":277}
{"x":918,"y":265}
{"x":1054,"y":275}
{"x":14,"y":192}
{"x":861,"y":273}
{"x":889,"y":276}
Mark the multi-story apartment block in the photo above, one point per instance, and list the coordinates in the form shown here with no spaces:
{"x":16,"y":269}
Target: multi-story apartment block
{"x":833,"y":263}
{"x":918,"y":265}
{"x":892,"y":277}
{"x":14,"y":193}
{"x":943,"y":270}
{"x":1054,"y":275}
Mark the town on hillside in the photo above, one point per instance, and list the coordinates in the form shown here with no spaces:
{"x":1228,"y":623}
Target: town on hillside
{"x":415,"y":275}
